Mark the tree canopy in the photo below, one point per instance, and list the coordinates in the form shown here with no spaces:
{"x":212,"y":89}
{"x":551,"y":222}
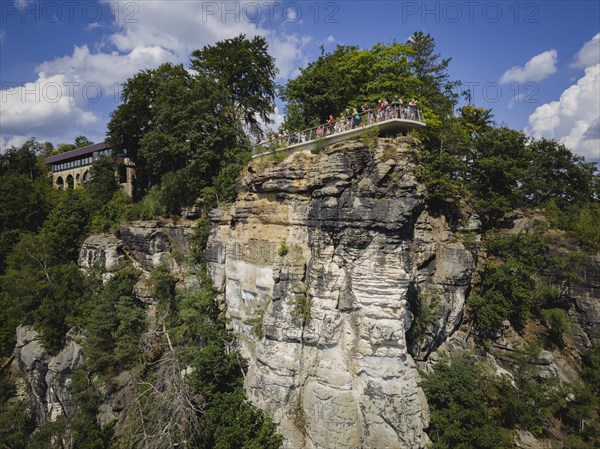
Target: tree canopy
{"x":244,"y":69}
{"x":184,"y":129}
{"x":350,"y":76}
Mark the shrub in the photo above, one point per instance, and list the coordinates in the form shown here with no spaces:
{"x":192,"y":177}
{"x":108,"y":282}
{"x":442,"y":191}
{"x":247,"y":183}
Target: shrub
{"x":559,"y":325}
{"x":302,"y":308}
{"x":283,"y":248}
{"x":460,"y":415}
{"x":199,"y":239}
{"x":149,"y":207}
{"x":111,"y":214}
{"x":370,"y":137}
{"x":423,"y":306}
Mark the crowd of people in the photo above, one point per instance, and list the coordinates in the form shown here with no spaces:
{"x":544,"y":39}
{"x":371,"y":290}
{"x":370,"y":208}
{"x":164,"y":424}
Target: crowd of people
{"x":351,"y":118}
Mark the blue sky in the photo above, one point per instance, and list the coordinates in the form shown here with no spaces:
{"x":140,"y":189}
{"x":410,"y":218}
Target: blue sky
{"x":537,"y":64}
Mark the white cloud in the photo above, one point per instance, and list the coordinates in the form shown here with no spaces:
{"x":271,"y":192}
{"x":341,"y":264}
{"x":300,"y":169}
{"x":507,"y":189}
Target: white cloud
{"x":44,"y":109}
{"x":536,"y":69}
{"x":93,"y":26}
{"x":330,"y":39}
{"x":515,"y":99}
{"x":589,"y":54}
{"x":154,"y":33}
{"x":103,"y":68}
{"x":16,"y":141}
{"x":574,"y":119}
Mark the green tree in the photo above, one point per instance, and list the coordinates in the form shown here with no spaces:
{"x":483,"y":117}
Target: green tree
{"x":431,"y":71}
{"x":63,"y":148}
{"x":23,"y":161}
{"x":322,"y":88}
{"x":557,"y":174}
{"x":82,"y":141}
{"x":348,"y":77}
{"x":26,"y":195}
{"x":66,"y":226}
{"x":114,"y":324}
{"x":460,"y":415}
{"x":475,"y":119}
{"x":15,"y":425}
{"x":172,"y":122}
{"x":61,"y":295}
{"x":243,"y":68}
{"x":111,"y":214}
{"x":24,"y":205}
{"x":103,"y":183}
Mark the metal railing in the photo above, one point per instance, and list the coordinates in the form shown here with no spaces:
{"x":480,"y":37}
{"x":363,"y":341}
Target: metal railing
{"x":340,"y":125}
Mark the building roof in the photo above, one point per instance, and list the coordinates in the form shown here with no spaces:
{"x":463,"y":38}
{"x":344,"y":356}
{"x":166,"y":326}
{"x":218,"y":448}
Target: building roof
{"x":76,"y":153}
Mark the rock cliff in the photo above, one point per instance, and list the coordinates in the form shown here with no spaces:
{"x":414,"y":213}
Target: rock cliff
{"x":338,"y":281}
{"x":45,"y":380}
{"x":322,"y":260}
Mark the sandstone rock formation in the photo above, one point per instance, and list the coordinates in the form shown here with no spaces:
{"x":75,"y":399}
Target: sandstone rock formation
{"x":46,"y":378}
{"x":319,"y":260}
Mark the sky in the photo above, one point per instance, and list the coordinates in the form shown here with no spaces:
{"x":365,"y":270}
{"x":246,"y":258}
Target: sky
{"x":536,"y":64}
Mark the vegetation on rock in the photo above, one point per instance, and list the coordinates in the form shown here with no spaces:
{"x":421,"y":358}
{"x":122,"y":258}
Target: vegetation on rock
{"x":188,"y":134}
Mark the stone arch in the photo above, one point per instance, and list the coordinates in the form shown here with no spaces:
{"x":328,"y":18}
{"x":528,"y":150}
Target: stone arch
{"x":86,"y":176}
{"x":78,"y":178}
{"x":60,"y":183}
{"x":70,"y":182}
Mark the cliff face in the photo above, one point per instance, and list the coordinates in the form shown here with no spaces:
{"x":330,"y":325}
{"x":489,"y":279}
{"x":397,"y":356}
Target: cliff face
{"x":43,"y":380}
{"x":321,"y":260}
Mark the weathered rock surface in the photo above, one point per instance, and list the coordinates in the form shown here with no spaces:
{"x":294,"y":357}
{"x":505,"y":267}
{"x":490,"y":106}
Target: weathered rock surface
{"x":318,"y":260}
{"x":105,"y":251}
{"x":151,"y":244}
{"x":147,"y":244}
{"x":585,"y":303}
{"x":47,"y":378}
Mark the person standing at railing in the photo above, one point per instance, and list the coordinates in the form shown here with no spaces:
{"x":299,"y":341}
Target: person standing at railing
{"x":355,"y":119}
{"x":412,"y":109}
{"x":380,"y":112}
{"x":366,"y":109}
{"x":330,"y":124}
{"x":397,"y":104}
{"x":340,"y":124}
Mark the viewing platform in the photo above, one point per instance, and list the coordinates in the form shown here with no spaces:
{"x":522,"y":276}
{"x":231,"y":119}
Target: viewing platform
{"x":395,"y":118}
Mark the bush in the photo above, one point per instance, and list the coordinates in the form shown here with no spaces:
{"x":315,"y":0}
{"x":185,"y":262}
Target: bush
{"x":149,"y":207}
{"x":370,"y":137}
{"x":460,"y":415}
{"x":302,"y":308}
{"x":559,"y":325}
{"x":283,"y":248}
{"x":199,"y":239}
{"x":111,"y":214}
{"x":423,"y":305}
{"x":580,"y":220}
